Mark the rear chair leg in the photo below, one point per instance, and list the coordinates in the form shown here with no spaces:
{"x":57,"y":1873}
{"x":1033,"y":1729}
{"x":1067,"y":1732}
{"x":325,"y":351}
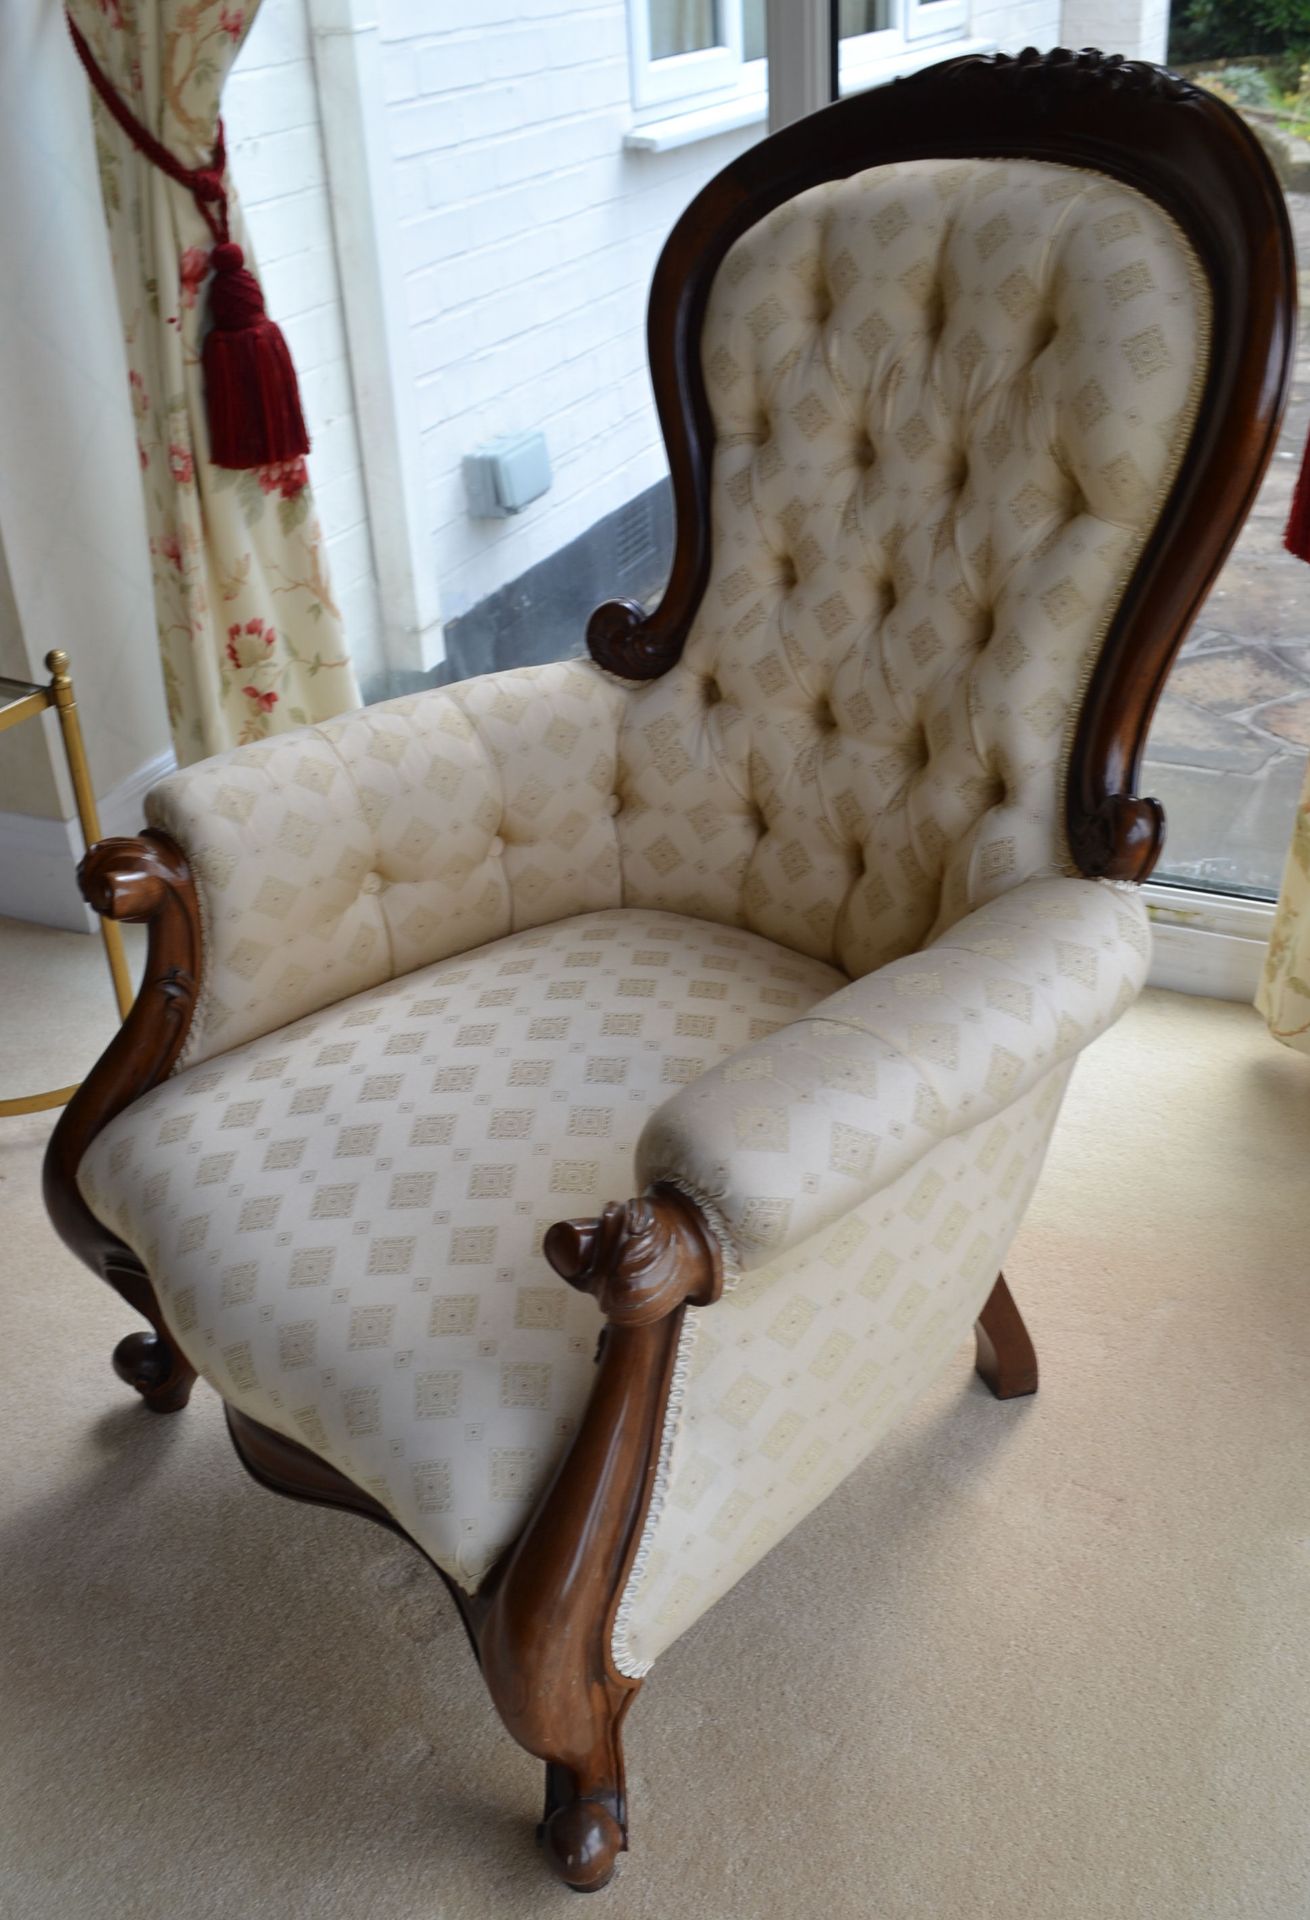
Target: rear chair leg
{"x":1006,"y":1359}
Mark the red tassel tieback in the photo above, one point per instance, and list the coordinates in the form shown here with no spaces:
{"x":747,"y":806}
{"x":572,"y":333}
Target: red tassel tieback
{"x":251,"y":394}
{"x":1297,"y":535}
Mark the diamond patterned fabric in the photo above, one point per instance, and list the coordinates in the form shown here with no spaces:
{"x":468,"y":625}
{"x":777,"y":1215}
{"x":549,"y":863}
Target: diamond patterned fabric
{"x":343,"y":1220}
{"x":463,"y":947}
{"x":798,"y":1371}
{"x":948,"y":400}
{"x":787,"y":1135}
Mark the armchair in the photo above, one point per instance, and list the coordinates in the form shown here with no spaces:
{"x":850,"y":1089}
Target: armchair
{"x":788,"y":912}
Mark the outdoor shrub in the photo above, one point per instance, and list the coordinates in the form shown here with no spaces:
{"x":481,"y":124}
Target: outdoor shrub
{"x":1211,"y":29}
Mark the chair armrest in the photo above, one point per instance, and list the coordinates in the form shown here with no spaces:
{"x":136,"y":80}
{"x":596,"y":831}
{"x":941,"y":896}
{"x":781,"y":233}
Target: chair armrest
{"x":331,"y":859}
{"x":788,"y":1134}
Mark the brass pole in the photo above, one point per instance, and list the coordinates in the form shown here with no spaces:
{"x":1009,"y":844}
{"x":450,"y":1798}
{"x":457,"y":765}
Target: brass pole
{"x":65,"y":705}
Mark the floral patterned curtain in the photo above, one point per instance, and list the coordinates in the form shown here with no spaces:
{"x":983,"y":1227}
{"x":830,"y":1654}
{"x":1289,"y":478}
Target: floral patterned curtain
{"x":1283,"y":996}
{"x":249,"y":635}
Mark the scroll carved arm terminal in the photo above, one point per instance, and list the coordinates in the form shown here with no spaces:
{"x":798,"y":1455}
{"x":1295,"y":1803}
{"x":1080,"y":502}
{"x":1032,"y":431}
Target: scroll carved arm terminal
{"x":642,"y":1259}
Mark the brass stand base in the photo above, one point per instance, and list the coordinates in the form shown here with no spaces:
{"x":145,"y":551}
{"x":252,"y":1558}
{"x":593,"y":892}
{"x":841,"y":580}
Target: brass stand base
{"x":23,"y":700}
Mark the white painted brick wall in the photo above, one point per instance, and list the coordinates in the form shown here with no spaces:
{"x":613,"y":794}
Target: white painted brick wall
{"x":529,"y":238}
{"x":529,"y":235}
{"x":1138,"y":28}
{"x":271,"y":111}
{"x":1015,"y":24}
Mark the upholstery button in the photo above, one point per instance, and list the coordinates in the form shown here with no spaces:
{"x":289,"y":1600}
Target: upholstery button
{"x":787,"y":570}
{"x":371,"y":883}
{"x":711,"y":691}
{"x":614,"y":804}
{"x":496,"y":848}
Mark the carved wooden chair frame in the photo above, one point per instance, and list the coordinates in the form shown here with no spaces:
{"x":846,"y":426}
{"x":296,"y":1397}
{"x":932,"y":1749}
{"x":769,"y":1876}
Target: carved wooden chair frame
{"x":541,"y":1624}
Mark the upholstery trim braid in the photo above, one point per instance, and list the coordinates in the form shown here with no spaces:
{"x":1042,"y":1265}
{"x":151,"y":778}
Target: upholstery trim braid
{"x":625,"y":1657}
{"x":796,"y":1375}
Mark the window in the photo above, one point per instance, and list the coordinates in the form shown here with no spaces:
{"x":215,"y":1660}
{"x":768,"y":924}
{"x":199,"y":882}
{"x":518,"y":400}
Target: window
{"x":872,"y":32}
{"x":691,"y":54}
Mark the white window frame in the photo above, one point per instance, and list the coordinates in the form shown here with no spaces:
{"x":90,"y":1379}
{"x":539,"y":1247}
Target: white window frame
{"x":691,"y":79}
{"x":1207,"y":943}
{"x":716,"y":76}
{"x":934,"y":19}
{"x":863,"y":58}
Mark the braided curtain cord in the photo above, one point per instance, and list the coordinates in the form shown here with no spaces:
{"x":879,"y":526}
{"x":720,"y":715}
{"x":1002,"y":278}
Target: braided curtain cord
{"x":252,"y":398}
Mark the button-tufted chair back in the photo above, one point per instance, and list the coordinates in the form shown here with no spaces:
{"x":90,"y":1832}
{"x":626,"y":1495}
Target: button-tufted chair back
{"x":966,"y":386}
{"x":949,"y":399}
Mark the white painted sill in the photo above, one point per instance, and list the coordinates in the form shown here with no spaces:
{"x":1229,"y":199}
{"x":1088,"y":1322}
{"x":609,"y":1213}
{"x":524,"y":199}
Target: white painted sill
{"x":1207,"y":943}
{"x":751,"y":109}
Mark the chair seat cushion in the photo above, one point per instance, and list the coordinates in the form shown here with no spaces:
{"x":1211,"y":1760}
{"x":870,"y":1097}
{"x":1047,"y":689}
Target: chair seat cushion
{"x":343,"y":1220}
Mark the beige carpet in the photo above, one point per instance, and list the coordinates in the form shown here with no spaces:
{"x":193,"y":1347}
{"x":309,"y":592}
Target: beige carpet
{"x":1048,"y":1660}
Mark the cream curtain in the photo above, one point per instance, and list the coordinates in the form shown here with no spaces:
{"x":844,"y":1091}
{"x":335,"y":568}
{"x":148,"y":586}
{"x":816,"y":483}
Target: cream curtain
{"x":1283,"y":996}
{"x":249,"y":636}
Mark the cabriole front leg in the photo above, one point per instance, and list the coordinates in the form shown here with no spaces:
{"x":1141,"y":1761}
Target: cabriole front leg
{"x":148,"y":881}
{"x":546,"y":1638}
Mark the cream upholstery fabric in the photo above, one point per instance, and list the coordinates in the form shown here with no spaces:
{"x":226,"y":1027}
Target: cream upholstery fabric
{"x":949,"y":401}
{"x":343,"y":1220}
{"x":335,"y":858}
{"x":798,"y":1371}
{"x":791,"y":1133}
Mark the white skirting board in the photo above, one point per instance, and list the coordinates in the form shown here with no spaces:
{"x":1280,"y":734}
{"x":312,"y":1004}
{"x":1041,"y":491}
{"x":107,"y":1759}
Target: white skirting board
{"x":38,"y":858}
{"x":1207,"y":943}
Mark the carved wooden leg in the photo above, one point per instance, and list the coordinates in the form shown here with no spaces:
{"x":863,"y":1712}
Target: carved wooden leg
{"x":145,"y":881}
{"x":149,"y":1361}
{"x":545,"y":1639}
{"x":1006,"y":1358}
{"x":546,"y":1636}
{"x":584,"y":1826}
{"x":161,"y":1375}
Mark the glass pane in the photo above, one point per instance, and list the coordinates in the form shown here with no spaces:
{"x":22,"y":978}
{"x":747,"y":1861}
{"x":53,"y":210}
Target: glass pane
{"x":682,"y":26}
{"x":752,"y":29}
{"x":1228,"y":746}
{"x":863,"y":16}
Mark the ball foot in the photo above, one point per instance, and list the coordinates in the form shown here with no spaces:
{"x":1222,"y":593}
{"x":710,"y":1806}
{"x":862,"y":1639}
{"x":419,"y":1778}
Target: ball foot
{"x":582,"y":1841}
{"x":159,"y":1374}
